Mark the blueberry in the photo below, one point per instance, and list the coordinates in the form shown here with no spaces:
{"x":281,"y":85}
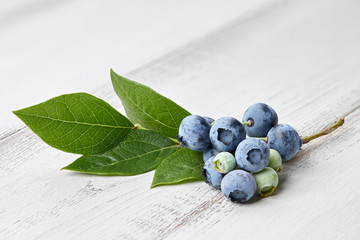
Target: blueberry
{"x":275,"y":161}
{"x":263,"y":118}
{"x":284,"y":139}
{"x":252,"y":155}
{"x":209,"y":120}
{"x":212,"y":176}
{"x":209,"y":153}
{"x":226,"y":133}
{"x":266,"y":181}
{"x":194,"y":133}
{"x":224,"y":162}
{"x":238,"y":186}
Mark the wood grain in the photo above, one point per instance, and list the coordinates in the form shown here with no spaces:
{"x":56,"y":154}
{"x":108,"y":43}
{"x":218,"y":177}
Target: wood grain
{"x":49,"y":46}
{"x":294,"y":55}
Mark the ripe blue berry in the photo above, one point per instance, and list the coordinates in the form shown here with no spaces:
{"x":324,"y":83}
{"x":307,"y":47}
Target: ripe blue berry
{"x":194,"y":133}
{"x":226,"y":133}
{"x":262,"y":117}
{"x":209,"y":120}
{"x":209,"y":153}
{"x":238,"y":186}
{"x":252,"y":155}
{"x":284,"y":139}
{"x":212,"y":176}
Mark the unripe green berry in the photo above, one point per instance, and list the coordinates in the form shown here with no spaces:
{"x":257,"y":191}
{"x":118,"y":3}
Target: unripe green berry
{"x":266,"y":181}
{"x":224,"y":162}
{"x":275,"y":161}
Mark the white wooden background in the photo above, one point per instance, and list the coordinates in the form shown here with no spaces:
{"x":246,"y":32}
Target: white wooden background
{"x":300,"y":56}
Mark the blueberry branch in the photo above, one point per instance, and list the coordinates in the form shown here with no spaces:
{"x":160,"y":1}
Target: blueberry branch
{"x":325,"y":131}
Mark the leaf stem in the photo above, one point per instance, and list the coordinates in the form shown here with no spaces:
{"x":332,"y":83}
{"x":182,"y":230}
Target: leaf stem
{"x":325,"y":131}
{"x":138,"y":126}
{"x":174,"y":140}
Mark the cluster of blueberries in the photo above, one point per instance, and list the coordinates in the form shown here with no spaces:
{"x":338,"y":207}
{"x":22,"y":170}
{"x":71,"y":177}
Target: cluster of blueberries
{"x":237,"y":165}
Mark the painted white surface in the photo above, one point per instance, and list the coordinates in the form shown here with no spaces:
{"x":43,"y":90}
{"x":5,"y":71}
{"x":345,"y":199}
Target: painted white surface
{"x":301,"y":57}
{"x":52,"y":47}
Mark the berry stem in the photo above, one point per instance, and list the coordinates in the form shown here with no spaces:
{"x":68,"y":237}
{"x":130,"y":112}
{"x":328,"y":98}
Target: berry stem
{"x":325,"y":131}
{"x":249,"y":123}
{"x":265,"y":139}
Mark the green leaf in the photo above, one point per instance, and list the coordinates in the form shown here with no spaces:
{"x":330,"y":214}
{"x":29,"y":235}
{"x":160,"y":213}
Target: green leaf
{"x":139,"y":152}
{"x":150,"y":109}
{"x":182,"y":166}
{"x":77,"y":123}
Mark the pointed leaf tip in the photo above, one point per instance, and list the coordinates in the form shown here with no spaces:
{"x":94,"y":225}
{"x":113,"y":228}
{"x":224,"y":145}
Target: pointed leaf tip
{"x":182,"y":166}
{"x":145,"y":106}
{"x":77,"y":123}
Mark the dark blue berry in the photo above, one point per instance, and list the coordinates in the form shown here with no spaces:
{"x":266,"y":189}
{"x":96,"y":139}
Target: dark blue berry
{"x":194,"y":133}
{"x":212,"y":176}
{"x":209,"y":153}
{"x":209,"y":119}
{"x":284,"y":139}
{"x":252,"y":155}
{"x":262,"y":117}
{"x":238,"y":186}
{"x":226,"y":133}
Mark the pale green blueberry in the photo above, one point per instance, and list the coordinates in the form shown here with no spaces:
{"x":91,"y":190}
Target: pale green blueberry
{"x":224,"y":162}
{"x":275,"y":160}
{"x":266,"y":181}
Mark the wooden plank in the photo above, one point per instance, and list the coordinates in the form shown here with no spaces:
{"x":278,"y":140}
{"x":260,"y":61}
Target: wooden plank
{"x":304,"y":65}
{"x":47,"y":47}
